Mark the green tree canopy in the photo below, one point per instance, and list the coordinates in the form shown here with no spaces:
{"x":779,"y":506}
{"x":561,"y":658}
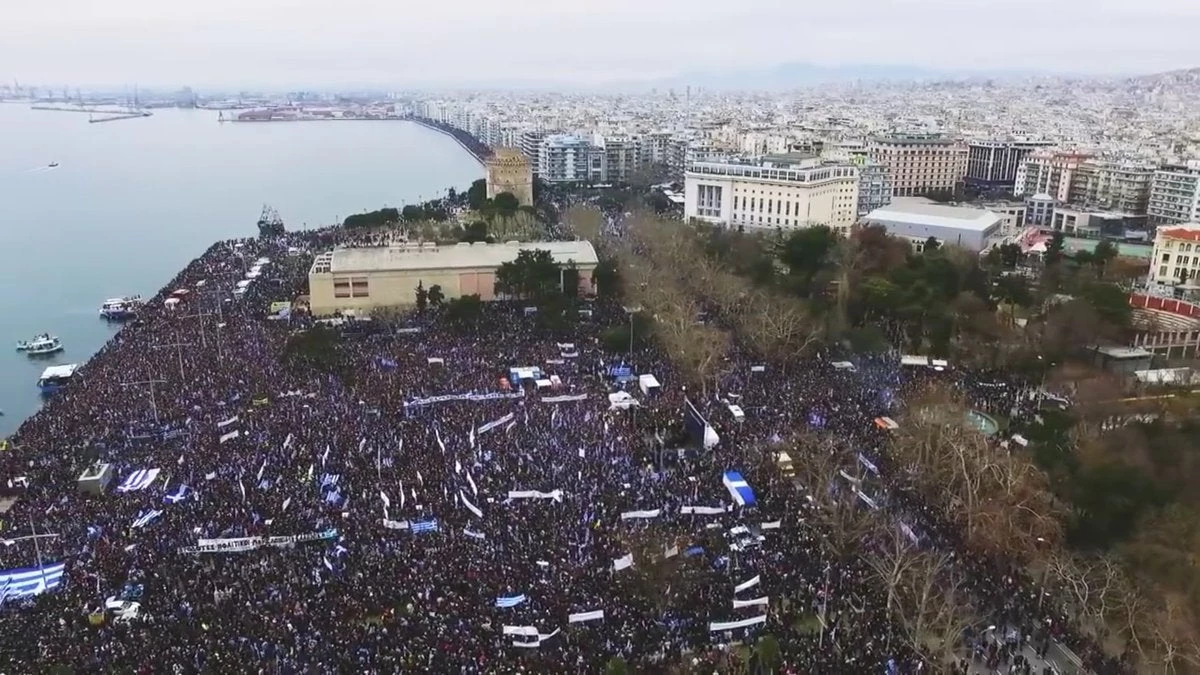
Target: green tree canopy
{"x":477,"y":194}
{"x":506,"y":204}
{"x":533,"y":275}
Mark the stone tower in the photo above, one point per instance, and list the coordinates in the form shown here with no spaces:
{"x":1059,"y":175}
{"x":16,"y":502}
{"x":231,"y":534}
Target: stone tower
{"x":509,"y":171}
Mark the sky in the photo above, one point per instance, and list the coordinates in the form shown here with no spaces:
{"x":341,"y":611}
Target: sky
{"x":400,"y":43}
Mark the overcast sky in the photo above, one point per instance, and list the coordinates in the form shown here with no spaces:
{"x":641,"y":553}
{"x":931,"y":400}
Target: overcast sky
{"x":208,"y":43}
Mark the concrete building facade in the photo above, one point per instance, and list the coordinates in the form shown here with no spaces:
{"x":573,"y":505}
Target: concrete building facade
{"x":566,"y":158}
{"x":1115,"y":186}
{"x":1049,"y":172}
{"x":920,"y":164}
{"x":992,"y":164}
{"x":1175,"y":195}
{"x":508,"y":171}
{"x":874,"y":185}
{"x":1176,"y":256}
{"x":361,"y":279}
{"x":784,"y":192}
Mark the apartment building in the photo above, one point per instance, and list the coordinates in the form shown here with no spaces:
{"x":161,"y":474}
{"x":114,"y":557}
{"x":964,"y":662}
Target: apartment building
{"x":1176,"y":256}
{"x":992,"y":164}
{"x":1112,"y":185}
{"x":1175,"y":195}
{"x":530,"y":144}
{"x":621,"y":157}
{"x":566,"y":158}
{"x":874,"y":185}
{"x":1048,"y":172}
{"x":920,"y":164}
{"x":780,"y":192}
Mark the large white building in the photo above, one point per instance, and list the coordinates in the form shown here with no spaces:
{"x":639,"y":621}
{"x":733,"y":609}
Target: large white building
{"x":917,"y":221}
{"x":1175,"y":195}
{"x":781,"y":192}
{"x":564,"y":158}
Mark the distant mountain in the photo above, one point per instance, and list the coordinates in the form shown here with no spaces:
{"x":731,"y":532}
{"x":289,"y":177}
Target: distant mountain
{"x":1189,"y":77}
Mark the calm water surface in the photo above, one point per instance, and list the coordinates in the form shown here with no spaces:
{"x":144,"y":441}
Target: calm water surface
{"x":133,"y":201}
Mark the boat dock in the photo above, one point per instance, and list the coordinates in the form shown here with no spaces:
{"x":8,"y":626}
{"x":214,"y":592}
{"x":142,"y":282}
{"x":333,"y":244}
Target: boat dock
{"x":120,"y":116}
{"x":75,"y":109}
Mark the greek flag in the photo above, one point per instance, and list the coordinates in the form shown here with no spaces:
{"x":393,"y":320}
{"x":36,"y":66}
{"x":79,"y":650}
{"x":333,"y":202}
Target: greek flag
{"x":424,"y":526}
{"x":146,"y":517}
{"x":510,"y":601}
{"x":20,"y":583}
{"x":328,"y":479}
{"x":178,"y":495}
{"x":138,"y":480}
{"x":739,"y":489}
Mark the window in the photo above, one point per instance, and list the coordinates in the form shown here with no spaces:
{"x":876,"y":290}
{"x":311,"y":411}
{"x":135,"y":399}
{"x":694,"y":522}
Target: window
{"x":358,"y":287}
{"x":341,"y":288}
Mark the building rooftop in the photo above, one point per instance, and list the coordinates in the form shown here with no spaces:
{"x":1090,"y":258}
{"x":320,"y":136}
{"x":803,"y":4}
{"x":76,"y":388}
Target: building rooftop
{"x":460,"y":256}
{"x":935,"y":214}
{"x":1186,"y":231}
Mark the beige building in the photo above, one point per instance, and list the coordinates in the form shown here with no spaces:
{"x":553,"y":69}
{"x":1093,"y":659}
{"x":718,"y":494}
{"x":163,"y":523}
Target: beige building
{"x":1049,"y":172}
{"x":509,"y":171}
{"x":361,"y":279}
{"x":919,"y":165}
{"x":782,"y":192}
{"x":1116,"y":186}
{"x":1176,"y":256}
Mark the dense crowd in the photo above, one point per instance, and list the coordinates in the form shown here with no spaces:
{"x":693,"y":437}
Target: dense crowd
{"x":390,"y":487}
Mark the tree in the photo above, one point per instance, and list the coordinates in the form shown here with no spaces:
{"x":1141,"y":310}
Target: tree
{"x":422,"y":297}
{"x":506,"y":204}
{"x":616,"y":666}
{"x":316,"y":347}
{"x":384,"y":216}
{"x":436,"y":297}
{"x":477,"y":194}
{"x":464,"y":311}
{"x":533,"y":275}
{"x":604,"y":278}
{"x":412,"y":213}
{"x":475,"y":232}
{"x":768,"y":653}
{"x":931,"y":244}
{"x":570,"y":280}
{"x":806,"y":252}
{"x":1054,"y":251}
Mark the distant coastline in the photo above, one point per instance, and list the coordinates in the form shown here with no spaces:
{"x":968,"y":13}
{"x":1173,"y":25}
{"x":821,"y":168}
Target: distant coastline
{"x":477,"y":148}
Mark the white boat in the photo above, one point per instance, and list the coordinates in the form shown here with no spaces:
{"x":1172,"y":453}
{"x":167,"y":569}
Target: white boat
{"x":41,"y":344}
{"x":119,"y":309}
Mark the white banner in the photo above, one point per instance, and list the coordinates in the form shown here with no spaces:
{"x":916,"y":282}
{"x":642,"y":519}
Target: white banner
{"x":582,"y":617}
{"x":747,"y":584}
{"x":241,"y":544}
{"x":556,"y":495}
{"x":520,"y":630}
{"x":718,"y":626}
{"x":565,"y":398}
{"x":395,"y":524}
{"x":623,"y":562}
{"x":495,"y":423}
{"x":738,"y":604}
{"x":224,"y":423}
{"x":470,"y":507}
{"x":773,"y":525}
{"x":496,"y":396}
{"x":230,"y":436}
{"x":633,"y":515}
{"x":703,"y":510}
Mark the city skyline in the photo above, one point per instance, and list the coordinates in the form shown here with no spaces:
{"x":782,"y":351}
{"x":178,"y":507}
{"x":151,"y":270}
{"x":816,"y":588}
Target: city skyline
{"x":469,"y":43}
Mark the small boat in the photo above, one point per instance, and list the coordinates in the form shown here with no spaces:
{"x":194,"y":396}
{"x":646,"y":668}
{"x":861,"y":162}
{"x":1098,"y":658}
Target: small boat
{"x":41,"y":344}
{"x":119,"y":309}
{"x":53,"y":164}
{"x":56,"y":377}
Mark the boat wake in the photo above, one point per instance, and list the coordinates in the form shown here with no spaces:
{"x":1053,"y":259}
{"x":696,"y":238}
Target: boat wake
{"x":41,"y":169}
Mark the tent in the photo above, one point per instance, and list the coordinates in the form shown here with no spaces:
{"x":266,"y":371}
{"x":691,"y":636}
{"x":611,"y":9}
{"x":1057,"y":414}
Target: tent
{"x":621,"y":400}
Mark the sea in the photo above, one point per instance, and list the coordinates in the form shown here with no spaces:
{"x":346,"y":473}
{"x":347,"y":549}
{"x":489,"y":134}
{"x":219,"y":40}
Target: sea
{"x":131,"y":202}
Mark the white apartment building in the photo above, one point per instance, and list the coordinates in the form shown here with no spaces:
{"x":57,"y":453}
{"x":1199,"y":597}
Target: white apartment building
{"x":783,"y":192}
{"x":920,"y":164}
{"x":621,"y":157}
{"x":565,"y":158}
{"x":1175,"y":195}
{"x":1049,"y":172}
{"x":1176,"y":256}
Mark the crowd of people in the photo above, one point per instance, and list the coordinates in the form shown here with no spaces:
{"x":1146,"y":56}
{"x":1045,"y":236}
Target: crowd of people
{"x":450,"y":500}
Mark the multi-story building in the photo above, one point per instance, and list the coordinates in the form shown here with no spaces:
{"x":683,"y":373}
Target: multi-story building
{"x":1048,"y":172}
{"x":620,"y":155}
{"x":874,"y":185}
{"x":780,"y":192}
{"x":992,"y":164}
{"x":1115,"y":186}
{"x":1176,"y":256}
{"x":920,"y":164}
{"x":1093,"y":224}
{"x":1175,"y":195}
{"x":565,"y":158}
{"x":531,"y":143}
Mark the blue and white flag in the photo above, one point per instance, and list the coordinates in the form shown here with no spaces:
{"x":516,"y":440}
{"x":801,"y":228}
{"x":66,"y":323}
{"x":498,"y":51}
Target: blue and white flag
{"x":20,"y":583}
{"x":739,"y":489}
{"x":424,"y":526}
{"x":471,"y":482}
{"x":470,"y":507}
{"x":867,"y":464}
{"x":138,"y":480}
{"x":510,"y":601}
{"x":146,"y":517}
{"x":329,"y":479}
{"x":180,"y":494}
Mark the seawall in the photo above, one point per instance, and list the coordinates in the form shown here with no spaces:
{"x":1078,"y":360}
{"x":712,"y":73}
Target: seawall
{"x":477,"y":148}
